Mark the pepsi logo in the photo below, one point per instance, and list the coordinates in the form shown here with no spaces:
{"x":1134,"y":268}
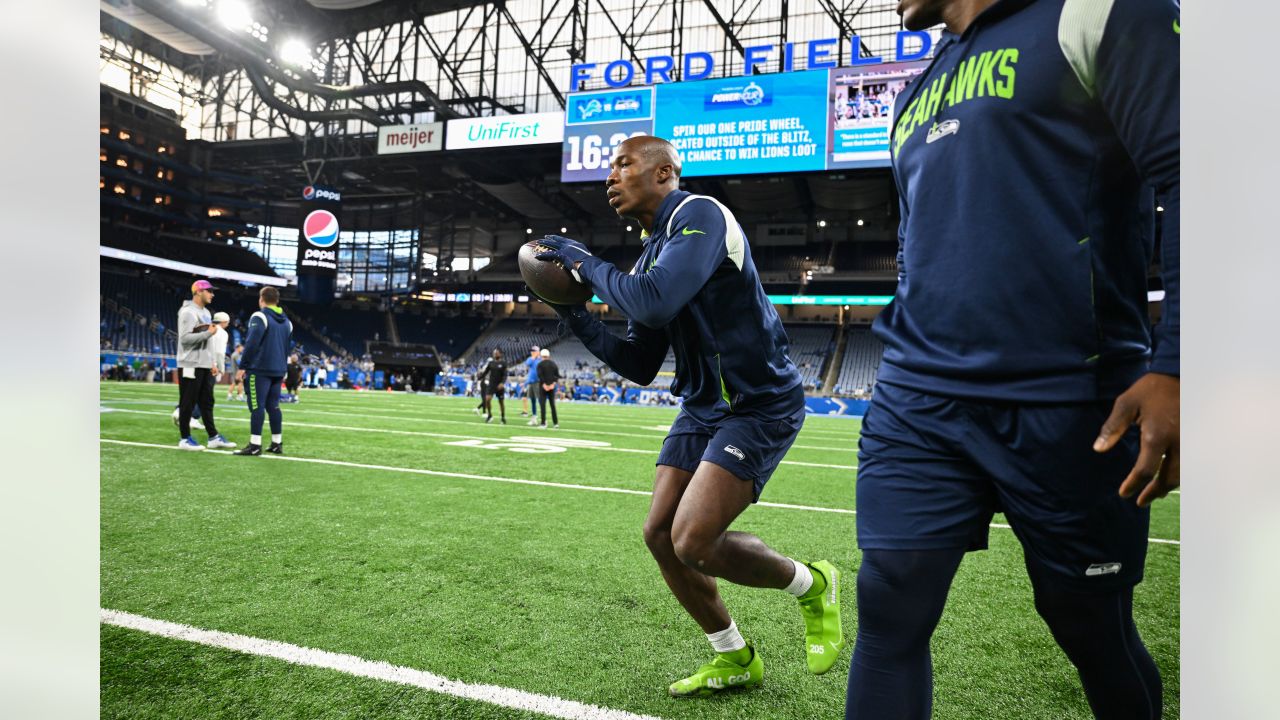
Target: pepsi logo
{"x":311,"y":192}
{"x":320,"y":228}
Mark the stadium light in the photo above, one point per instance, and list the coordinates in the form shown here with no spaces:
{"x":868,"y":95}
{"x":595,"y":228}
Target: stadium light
{"x":564,"y":230}
{"x":234,"y":14}
{"x":1159,"y":208}
{"x":295,"y":52}
{"x":628,"y":228}
{"x":822,"y":223}
{"x":528,"y":231}
{"x":859,"y":222}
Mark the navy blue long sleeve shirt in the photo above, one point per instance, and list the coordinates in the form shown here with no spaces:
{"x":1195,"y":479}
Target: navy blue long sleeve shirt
{"x":695,"y":289}
{"x":1026,"y":157}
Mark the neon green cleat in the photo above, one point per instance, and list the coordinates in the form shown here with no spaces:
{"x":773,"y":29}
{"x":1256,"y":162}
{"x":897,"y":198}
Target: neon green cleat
{"x":823,"y":638}
{"x":718,"y":675}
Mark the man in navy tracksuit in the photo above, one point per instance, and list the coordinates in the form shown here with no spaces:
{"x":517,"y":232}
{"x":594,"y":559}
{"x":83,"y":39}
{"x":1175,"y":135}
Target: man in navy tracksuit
{"x":695,"y":290}
{"x":266,"y":360}
{"x":1029,"y":159}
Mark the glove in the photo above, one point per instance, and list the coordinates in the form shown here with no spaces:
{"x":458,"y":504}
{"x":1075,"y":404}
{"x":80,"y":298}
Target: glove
{"x":565,"y":251}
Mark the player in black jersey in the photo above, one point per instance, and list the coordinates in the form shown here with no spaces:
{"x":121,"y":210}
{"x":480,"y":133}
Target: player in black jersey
{"x":493,"y":379}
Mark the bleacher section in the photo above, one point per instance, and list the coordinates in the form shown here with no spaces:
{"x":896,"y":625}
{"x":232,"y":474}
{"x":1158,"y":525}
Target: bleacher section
{"x":810,"y":347}
{"x":346,"y":326}
{"x":514,"y":338}
{"x":207,"y":253}
{"x":451,"y":335}
{"x":861,"y":363}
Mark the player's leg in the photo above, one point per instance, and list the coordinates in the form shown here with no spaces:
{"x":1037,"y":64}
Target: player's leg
{"x":1097,"y":633}
{"x":274,"y":416}
{"x":256,"y":398}
{"x":555,"y":419}
{"x":502,"y":405}
{"x":901,"y":595}
{"x":1085,"y":546}
{"x":921,"y":505}
{"x":205,"y":401}
{"x":702,"y":540}
{"x":188,"y":391}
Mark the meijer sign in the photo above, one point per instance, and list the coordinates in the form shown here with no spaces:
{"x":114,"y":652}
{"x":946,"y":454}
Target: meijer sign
{"x":425,"y":137}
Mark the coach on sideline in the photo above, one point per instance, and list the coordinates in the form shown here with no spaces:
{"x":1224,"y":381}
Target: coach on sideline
{"x":265,"y":360}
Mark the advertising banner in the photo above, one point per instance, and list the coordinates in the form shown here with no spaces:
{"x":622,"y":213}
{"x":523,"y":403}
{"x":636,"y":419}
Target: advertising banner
{"x":424,"y":137}
{"x":742,"y":125}
{"x":504,"y":131}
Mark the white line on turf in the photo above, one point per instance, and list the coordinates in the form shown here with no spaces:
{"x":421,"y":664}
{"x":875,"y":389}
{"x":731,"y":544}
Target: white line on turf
{"x":423,"y":433}
{"x":412,"y":415}
{"x":359,"y":667}
{"x":516,"y":481}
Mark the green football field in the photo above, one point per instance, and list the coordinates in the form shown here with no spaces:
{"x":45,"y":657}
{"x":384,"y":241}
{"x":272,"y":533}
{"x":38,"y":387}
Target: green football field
{"x":505,"y":564}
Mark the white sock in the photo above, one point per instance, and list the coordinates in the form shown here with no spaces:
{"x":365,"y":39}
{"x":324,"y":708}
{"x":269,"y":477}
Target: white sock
{"x":275,"y":437}
{"x":801,"y":581}
{"x":255,"y":439}
{"x":727,"y":640}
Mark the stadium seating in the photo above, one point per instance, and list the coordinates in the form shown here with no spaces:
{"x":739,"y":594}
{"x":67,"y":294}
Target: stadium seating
{"x":450,"y":335}
{"x":861,"y":363}
{"x":810,"y":347}
{"x":207,"y":253}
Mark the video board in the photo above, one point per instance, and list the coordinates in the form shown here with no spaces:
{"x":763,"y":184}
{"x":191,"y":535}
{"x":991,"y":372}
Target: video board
{"x":811,"y":120}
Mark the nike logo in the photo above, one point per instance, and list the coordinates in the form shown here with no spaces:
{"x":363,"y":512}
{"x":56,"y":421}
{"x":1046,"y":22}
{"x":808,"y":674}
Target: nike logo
{"x":687,"y":231}
{"x":1176,"y":27}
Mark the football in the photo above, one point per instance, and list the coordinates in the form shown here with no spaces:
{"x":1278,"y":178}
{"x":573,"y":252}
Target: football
{"x":548,"y":279}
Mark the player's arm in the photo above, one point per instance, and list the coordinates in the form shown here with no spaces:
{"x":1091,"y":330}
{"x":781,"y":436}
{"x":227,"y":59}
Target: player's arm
{"x":636,"y":357}
{"x":653,"y":296}
{"x":1136,"y":81}
{"x":253,"y":340}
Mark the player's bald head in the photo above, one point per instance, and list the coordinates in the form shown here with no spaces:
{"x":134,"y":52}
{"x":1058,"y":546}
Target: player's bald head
{"x":653,"y":151}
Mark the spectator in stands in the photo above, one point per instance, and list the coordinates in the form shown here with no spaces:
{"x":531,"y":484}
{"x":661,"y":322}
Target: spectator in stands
{"x":548,"y":374}
{"x":531,"y":384}
{"x":265,"y":361}
{"x":195,"y":387}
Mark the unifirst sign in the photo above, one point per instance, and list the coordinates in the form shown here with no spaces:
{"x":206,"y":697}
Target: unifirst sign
{"x":425,"y":137}
{"x":765,"y":58}
{"x":505,"y":130}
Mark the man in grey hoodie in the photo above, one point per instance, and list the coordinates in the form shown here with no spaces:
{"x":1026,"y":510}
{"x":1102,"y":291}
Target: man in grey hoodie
{"x":195,"y":367}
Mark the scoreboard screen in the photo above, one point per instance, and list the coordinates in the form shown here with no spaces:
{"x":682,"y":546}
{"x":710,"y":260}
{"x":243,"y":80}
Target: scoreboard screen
{"x":811,"y":120}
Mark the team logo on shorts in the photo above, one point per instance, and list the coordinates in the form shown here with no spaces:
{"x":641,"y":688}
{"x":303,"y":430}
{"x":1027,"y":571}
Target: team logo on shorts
{"x":1110,"y":568}
{"x":320,"y":228}
{"x":735,"y":452}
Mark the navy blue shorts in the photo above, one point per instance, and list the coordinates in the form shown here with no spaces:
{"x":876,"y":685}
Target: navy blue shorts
{"x":933,"y":470}
{"x":749,"y":446}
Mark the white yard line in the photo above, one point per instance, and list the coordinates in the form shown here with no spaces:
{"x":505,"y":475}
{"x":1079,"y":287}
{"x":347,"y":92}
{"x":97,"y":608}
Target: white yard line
{"x":492,"y":478}
{"x":342,"y":409}
{"x":422,"y":433}
{"x":375,"y":670}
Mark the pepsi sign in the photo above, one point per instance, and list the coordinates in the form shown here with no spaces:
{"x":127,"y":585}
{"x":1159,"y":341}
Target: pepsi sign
{"x":318,"y":236}
{"x":315,"y":192}
{"x":320,"y":228}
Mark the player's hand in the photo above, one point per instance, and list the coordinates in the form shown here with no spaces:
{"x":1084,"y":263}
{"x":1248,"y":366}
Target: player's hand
{"x":1154,"y":403}
{"x":567,"y":311}
{"x":569,"y":253}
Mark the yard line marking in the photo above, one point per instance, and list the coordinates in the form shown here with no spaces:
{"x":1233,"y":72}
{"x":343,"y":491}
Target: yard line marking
{"x":409,"y":414}
{"x":516,"y":481}
{"x":423,"y":433}
{"x":424,"y":413}
{"x":372,"y":669}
